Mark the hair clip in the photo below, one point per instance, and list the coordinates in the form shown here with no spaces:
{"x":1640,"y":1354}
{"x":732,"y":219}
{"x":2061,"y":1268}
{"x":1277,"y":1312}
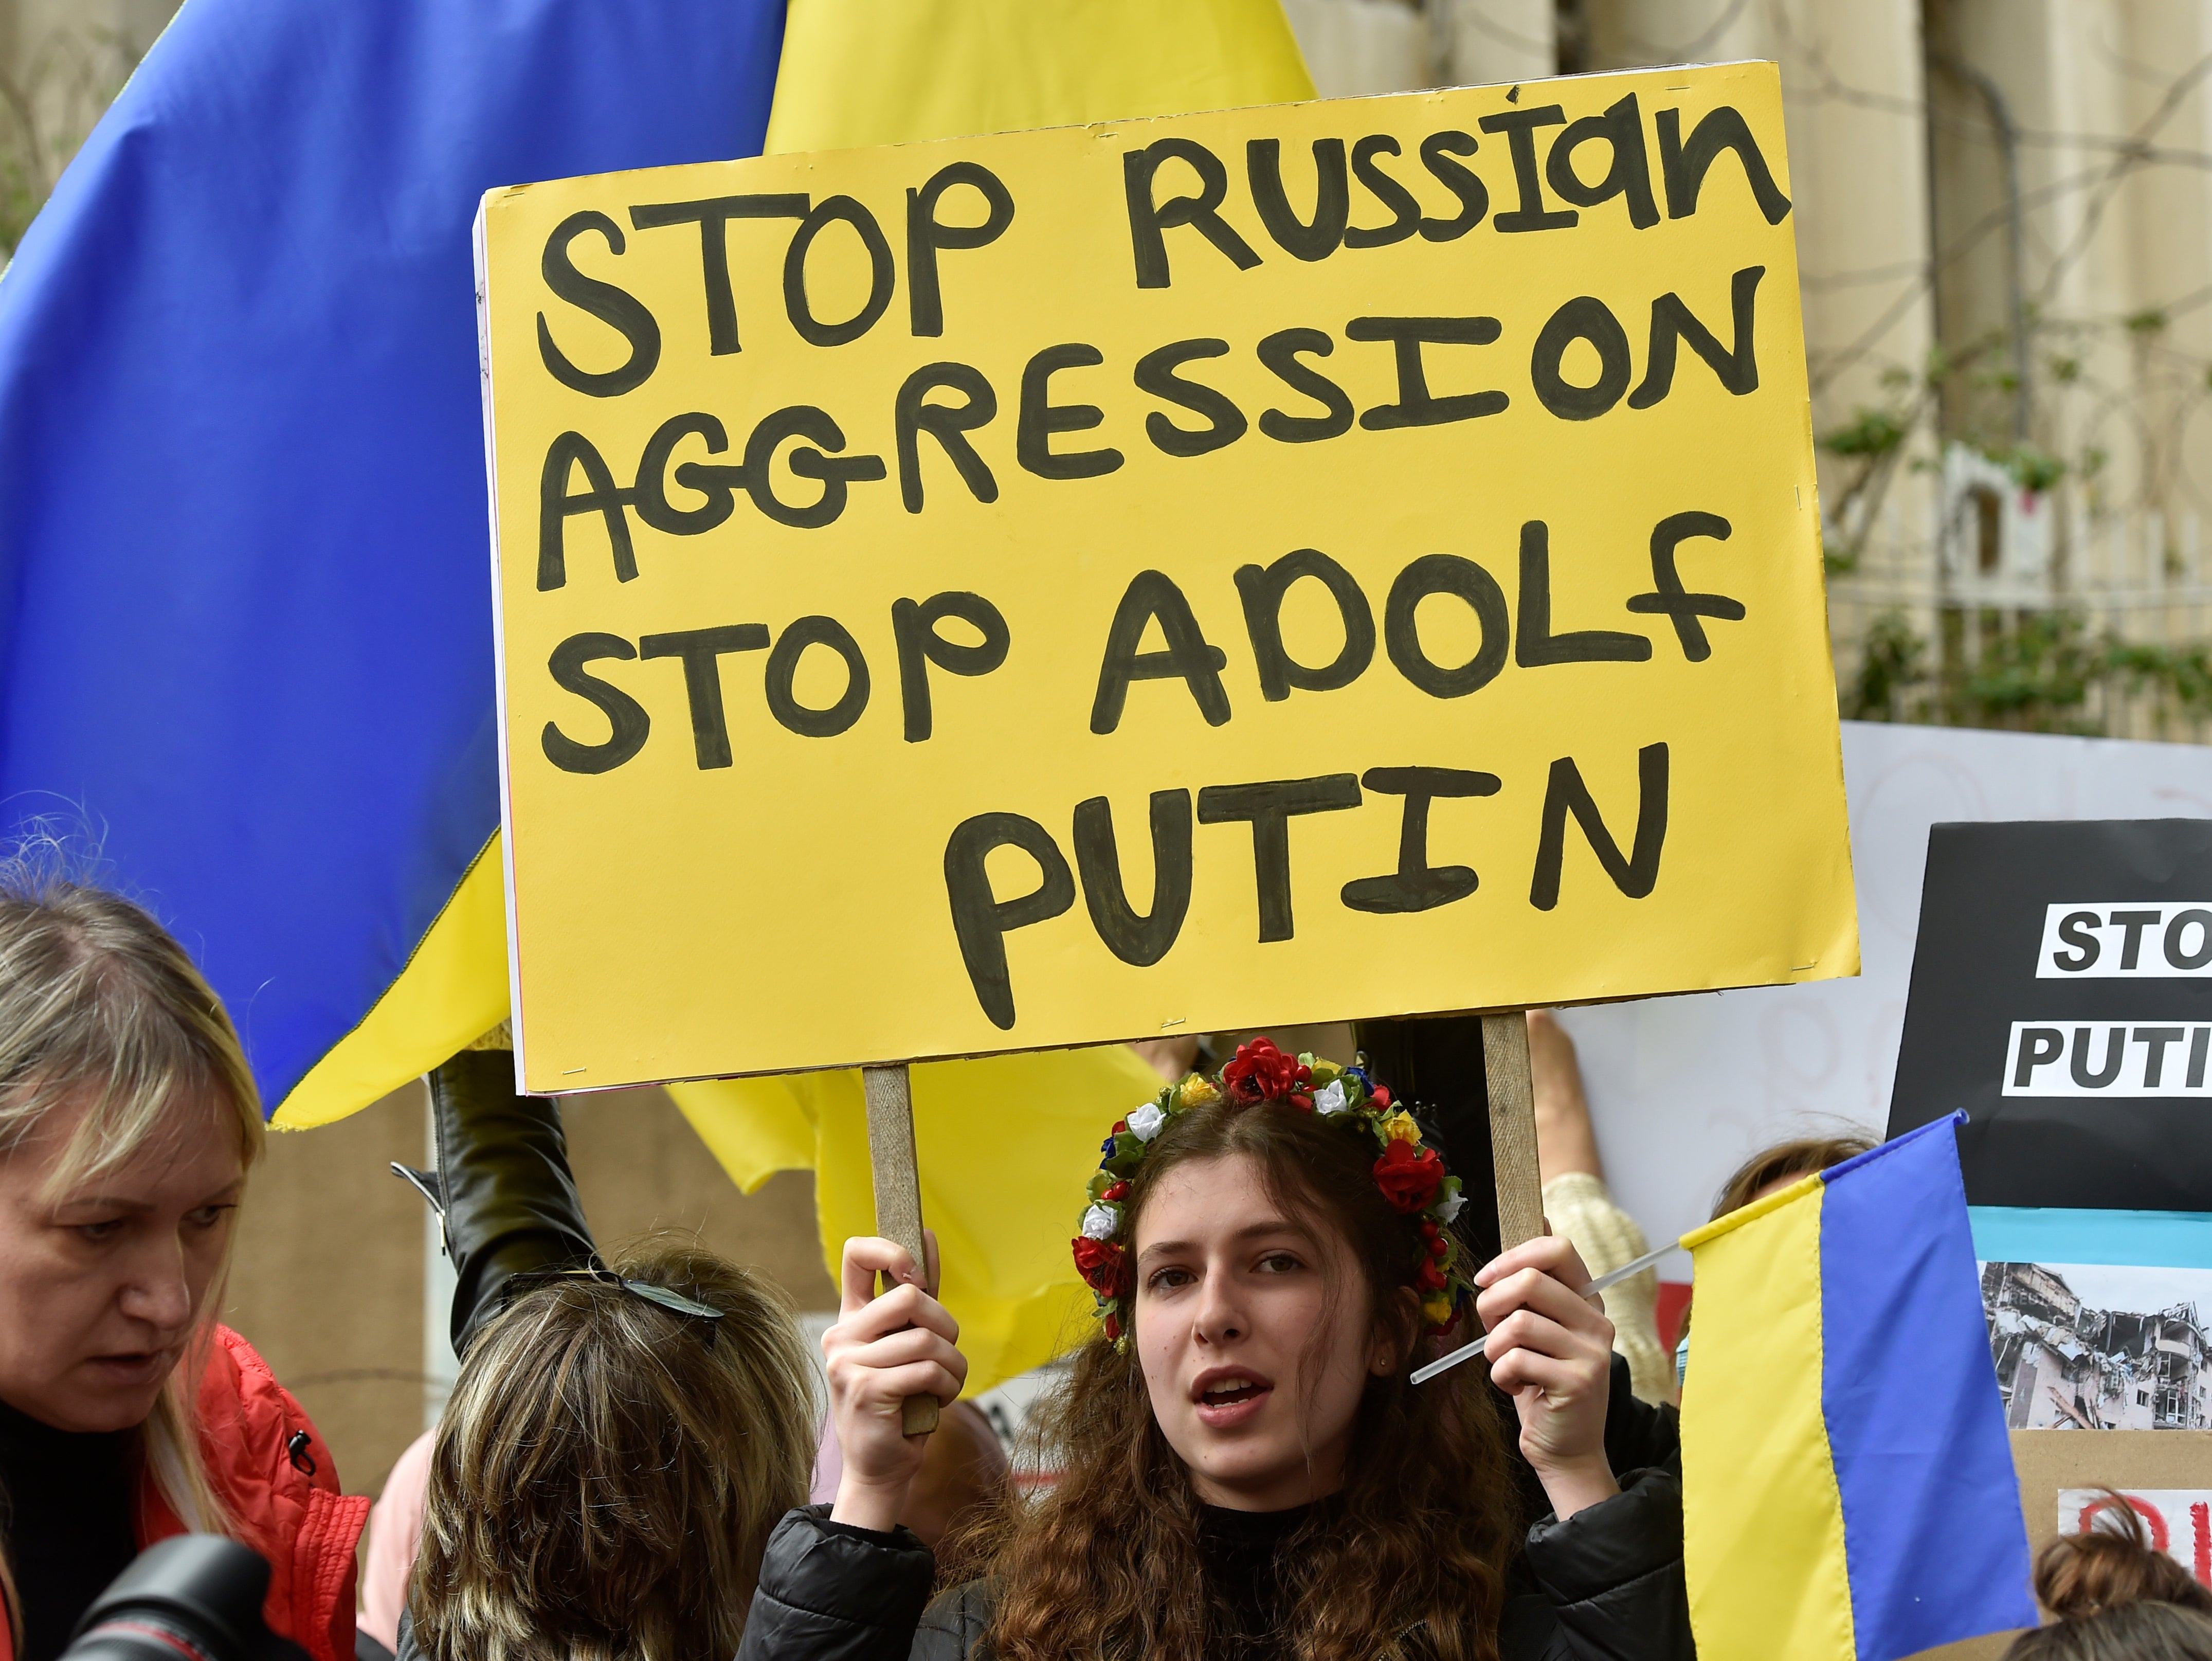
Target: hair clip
{"x":674,"y":1302}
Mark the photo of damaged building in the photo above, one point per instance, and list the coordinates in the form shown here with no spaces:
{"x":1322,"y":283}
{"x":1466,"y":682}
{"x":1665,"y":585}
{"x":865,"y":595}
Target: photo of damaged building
{"x":2064,"y":1366}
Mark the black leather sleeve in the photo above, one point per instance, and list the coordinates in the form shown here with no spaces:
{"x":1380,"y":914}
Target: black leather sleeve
{"x":510,"y":1199}
{"x":830,"y":1592}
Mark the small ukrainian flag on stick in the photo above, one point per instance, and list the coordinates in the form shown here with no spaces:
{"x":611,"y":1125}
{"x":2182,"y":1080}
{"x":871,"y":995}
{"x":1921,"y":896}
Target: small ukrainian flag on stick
{"x":1848,"y":1487}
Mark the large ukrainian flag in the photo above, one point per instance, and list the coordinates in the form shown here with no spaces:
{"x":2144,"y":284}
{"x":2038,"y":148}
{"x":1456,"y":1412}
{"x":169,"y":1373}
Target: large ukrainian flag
{"x":1848,"y":1489}
{"x":245,"y":590}
{"x":246,"y":639}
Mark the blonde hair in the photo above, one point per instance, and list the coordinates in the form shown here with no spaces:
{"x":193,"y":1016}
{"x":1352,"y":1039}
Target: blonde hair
{"x":608,"y":1470}
{"x":102,"y":1009}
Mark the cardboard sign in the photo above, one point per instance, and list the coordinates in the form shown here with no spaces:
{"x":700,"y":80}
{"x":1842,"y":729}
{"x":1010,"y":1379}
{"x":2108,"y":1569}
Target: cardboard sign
{"x":2056,"y":1472}
{"x":1348,"y":558}
{"x":2056,"y":998}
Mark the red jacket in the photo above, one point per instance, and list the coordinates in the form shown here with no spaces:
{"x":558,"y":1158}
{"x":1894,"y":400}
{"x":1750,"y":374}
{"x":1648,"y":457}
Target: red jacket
{"x":271,"y":1468}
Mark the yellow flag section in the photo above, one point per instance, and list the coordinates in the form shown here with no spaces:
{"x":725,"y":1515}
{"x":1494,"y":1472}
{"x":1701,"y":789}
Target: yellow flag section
{"x":857,"y":72}
{"x":1767,"y":1575}
{"x":1380,"y":534}
{"x":1002,"y":1145}
{"x":453,"y":991}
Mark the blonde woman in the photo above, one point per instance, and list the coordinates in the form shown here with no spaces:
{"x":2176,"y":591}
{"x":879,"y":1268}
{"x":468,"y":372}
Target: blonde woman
{"x":622,"y":1438}
{"x":128,"y":1122}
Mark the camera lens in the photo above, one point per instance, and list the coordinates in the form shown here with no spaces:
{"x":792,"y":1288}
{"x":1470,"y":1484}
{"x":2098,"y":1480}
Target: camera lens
{"x":195,"y":1598}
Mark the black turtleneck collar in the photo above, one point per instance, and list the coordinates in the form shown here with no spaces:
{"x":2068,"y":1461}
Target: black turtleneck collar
{"x":65,"y":1507}
{"x":1253,"y":1527}
{"x":1243,"y":1563}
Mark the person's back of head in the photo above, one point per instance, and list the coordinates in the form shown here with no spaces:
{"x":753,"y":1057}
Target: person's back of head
{"x":2116,"y":1598}
{"x":1783,"y":1164}
{"x":609,"y":1469}
{"x":1764,"y":1172}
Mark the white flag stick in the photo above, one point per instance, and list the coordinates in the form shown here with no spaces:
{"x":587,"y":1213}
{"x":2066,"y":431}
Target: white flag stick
{"x":1468,"y":1352}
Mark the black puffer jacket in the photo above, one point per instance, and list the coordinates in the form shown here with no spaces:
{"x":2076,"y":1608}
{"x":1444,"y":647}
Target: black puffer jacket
{"x":1604,"y":1586}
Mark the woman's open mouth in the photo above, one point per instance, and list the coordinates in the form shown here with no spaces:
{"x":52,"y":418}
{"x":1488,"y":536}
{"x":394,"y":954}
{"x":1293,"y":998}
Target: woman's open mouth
{"x":1225,"y":1397}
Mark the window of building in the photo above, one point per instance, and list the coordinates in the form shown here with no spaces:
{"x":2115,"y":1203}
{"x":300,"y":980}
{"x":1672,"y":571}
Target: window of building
{"x":1989,"y":530}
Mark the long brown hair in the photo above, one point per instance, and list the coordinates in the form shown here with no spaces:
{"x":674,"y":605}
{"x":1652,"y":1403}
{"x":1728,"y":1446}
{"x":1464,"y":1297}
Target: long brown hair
{"x":607,"y":1472}
{"x":2115,"y":1597}
{"x":1107,"y":1564}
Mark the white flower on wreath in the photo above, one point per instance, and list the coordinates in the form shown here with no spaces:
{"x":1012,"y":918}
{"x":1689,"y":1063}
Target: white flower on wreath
{"x":1144,"y":1122}
{"x":1100,"y":1222}
{"x":1330,"y":1098}
{"x":1448,"y":1209}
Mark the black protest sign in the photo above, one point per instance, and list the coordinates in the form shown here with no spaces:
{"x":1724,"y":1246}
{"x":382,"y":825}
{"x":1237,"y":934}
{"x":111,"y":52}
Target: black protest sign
{"x":2062,"y":995}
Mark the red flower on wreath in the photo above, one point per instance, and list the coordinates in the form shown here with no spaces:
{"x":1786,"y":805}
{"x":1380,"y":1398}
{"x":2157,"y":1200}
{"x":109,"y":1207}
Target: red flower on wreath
{"x":1431,"y":1278}
{"x":1409,"y":1176}
{"x":1262,"y":1072}
{"x":1103,"y":1264}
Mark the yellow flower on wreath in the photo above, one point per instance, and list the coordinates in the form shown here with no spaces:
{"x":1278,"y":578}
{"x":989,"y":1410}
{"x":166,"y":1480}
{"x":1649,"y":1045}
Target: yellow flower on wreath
{"x":1197,"y":1090}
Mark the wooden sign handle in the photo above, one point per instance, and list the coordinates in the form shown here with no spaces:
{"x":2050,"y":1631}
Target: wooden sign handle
{"x":898,"y":1187}
{"x":1512,"y":1128}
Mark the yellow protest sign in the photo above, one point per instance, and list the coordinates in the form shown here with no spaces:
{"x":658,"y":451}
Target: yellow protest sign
{"x":1334,"y":559}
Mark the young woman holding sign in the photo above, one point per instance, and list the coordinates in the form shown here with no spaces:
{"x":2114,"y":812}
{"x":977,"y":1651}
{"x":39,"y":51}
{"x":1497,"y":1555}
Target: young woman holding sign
{"x":1246,"y":1469}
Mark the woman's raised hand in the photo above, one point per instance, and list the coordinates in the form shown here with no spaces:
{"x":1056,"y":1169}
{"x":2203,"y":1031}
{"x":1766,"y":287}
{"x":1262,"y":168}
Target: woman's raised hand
{"x":1551,"y":1350}
{"x":882,"y":1351}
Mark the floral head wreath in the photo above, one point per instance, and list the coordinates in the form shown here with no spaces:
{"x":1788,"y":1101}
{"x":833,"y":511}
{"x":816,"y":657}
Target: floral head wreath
{"x":1410,"y":1175}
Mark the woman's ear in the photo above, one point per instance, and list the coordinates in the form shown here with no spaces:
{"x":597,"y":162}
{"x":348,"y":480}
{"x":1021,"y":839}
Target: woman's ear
{"x":1395,"y":1332}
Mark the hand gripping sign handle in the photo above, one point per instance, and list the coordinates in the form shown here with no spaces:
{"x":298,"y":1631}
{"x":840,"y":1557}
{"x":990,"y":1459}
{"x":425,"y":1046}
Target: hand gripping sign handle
{"x":1513,"y":1151}
{"x":899,"y":1189}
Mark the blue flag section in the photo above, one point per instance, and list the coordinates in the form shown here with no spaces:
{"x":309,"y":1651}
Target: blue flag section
{"x":1932,"y":1526}
{"x":246,"y":642}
